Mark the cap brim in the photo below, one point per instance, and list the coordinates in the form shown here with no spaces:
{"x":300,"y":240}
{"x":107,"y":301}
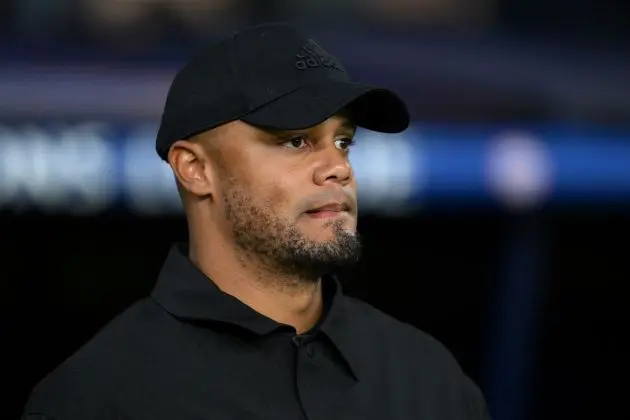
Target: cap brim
{"x":370,"y":107}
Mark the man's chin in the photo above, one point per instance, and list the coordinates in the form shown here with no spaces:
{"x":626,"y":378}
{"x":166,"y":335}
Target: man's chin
{"x":328,"y":231}
{"x":329,"y":236}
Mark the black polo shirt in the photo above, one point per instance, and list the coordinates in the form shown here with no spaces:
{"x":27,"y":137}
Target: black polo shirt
{"x":190,"y":351}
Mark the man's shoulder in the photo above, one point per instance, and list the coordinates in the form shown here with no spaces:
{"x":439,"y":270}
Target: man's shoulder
{"x":416,"y":359}
{"x":89,"y":376}
{"x":381,"y":324}
{"x":406,"y":340}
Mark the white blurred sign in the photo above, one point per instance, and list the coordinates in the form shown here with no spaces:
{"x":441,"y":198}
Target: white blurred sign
{"x":71,"y":168}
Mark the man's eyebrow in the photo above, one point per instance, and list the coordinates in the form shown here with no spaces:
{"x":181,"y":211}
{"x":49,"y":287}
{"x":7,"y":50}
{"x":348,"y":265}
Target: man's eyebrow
{"x":269,"y":134}
{"x":348,"y":125}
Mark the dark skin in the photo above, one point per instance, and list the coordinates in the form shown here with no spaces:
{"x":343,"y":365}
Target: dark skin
{"x":253,"y":200}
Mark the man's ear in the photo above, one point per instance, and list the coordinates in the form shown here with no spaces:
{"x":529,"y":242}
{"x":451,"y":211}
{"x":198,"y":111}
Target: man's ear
{"x":190,"y":165}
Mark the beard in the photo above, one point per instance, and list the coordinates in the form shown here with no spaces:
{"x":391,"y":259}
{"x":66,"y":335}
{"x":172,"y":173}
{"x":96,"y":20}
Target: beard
{"x":280,"y":245}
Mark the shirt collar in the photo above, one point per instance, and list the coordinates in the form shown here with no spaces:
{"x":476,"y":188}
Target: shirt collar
{"x":188,"y":294}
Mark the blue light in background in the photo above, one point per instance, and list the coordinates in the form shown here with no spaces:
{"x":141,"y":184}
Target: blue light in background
{"x":93,"y":166}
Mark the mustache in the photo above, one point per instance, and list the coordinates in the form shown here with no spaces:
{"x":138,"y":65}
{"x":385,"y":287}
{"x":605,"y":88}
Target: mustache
{"x":342,"y":196}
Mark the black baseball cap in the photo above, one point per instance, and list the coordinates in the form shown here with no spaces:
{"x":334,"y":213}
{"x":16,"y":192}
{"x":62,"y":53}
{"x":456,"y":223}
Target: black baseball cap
{"x":271,"y":75}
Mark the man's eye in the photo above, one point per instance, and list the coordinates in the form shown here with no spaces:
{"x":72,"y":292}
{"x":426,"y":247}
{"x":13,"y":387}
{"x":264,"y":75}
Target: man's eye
{"x":344,"y":144}
{"x":297,"y":142}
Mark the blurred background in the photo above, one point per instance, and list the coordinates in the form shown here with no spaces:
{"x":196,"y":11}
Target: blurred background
{"x":498,"y":223}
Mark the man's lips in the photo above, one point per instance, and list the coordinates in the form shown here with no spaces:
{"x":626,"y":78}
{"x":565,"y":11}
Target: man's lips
{"x":329,"y":210}
{"x":330,"y":207}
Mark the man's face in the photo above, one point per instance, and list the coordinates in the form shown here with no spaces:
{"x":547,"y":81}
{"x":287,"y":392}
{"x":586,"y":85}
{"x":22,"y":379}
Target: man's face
{"x":289,"y":197}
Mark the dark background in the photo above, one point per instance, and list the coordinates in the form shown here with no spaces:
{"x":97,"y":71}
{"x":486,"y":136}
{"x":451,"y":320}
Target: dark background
{"x":533,"y":302}
{"x":68,"y":277}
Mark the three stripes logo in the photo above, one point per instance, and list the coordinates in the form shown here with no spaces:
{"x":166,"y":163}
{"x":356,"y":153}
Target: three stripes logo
{"x":312,"y":56}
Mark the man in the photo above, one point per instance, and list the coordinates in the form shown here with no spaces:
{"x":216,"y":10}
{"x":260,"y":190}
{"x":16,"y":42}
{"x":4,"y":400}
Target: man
{"x":247,"y":320}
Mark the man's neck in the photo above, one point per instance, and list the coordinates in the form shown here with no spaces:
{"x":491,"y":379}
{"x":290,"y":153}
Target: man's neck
{"x":287,"y":300}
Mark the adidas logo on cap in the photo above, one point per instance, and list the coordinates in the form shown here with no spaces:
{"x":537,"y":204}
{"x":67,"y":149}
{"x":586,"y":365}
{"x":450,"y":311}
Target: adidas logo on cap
{"x":313,"y":56}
